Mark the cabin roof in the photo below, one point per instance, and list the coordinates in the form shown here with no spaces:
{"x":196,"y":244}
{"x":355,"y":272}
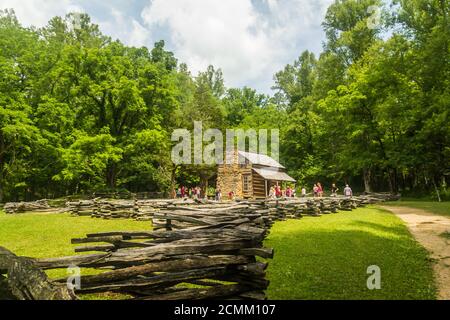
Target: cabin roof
{"x":260,"y":159}
{"x":273,"y":174}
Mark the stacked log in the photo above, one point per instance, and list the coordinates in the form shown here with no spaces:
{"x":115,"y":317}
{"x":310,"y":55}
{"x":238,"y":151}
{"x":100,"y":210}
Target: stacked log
{"x":283,"y":209}
{"x":274,"y":210}
{"x":176,"y":217}
{"x":213,"y":248}
{"x":21,"y":207}
{"x":82,"y":207}
{"x":116,"y":209}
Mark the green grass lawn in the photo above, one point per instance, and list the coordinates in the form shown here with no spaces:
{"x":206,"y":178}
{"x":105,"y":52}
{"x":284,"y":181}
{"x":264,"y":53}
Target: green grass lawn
{"x":49,"y":235}
{"x":315,"y":258}
{"x":328,"y":257}
{"x":441,"y":208}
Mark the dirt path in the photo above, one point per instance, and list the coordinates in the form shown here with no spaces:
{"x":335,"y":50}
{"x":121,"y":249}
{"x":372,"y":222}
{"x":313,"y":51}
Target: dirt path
{"x":428,"y":228}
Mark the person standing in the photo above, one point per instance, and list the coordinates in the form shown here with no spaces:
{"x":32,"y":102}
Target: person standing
{"x":319,"y":189}
{"x":272,"y":193}
{"x":334,"y":190}
{"x":316,"y":191}
{"x":288,"y":192}
{"x":278,"y":192}
{"x":303,"y":192}
{"x":348,"y":192}
{"x":218,"y":194}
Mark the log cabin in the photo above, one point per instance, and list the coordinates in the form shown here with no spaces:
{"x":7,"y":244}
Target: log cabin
{"x":251,"y":175}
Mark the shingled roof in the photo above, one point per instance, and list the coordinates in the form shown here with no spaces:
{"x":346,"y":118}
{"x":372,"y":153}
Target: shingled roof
{"x":260,"y":159}
{"x":273,"y":174}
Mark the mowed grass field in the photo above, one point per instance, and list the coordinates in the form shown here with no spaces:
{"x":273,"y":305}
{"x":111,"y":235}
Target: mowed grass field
{"x":315,"y":258}
{"x":48,"y":235}
{"x":327,"y":258}
{"x":440,"y":208}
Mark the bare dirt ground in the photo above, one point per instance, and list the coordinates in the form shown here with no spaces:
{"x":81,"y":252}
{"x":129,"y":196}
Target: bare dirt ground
{"x":428,"y":229}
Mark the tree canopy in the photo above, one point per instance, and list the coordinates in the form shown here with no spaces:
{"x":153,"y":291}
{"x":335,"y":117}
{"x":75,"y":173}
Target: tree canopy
{"x":81,"y":112}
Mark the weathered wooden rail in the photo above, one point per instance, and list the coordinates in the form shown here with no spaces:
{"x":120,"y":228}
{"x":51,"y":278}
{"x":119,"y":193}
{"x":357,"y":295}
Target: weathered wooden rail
{"x":20,"y":207}
{"x":273,"y":210}
{"x":195,"y":250}
{"x":213,"y":255}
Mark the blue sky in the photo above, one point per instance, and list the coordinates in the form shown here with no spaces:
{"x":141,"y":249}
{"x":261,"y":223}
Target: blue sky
{"x":250,"y":40}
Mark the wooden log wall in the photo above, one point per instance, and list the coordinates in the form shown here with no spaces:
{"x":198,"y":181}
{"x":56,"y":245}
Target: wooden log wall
{"x":214,"y":247}
{"x":271,"y":210}
{"x":210,"y":245}
{"x":21,"y":207}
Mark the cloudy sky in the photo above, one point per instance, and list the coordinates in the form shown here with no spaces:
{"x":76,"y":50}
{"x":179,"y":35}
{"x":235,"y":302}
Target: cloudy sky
{"x":249,"y":39}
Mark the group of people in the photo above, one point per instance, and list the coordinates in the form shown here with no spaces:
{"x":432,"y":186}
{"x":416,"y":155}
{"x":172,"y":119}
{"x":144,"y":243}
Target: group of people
{"x":277,"y":192}
{"x":318,"y":191}
{"x":193,"y":193}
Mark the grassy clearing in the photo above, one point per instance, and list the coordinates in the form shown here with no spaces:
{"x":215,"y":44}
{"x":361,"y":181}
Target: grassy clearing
{"x":315,"y":258}
{"x":327,"y":258}
{"x":49,"y":235}
{"x":440,"y":208}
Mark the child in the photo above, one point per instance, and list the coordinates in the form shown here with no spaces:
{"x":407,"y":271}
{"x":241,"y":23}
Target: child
{"x":303,"y":192}
{"x":218,"y":195}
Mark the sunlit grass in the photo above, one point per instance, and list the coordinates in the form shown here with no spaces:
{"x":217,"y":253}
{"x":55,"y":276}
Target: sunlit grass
{"x":328,"y":257}
{"x":315,"y":258}
{"x":48,"y":235}
{"x":441,"y":208}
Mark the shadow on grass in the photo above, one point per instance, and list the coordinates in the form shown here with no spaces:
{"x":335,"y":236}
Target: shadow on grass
{"x":315,"y":262}
{"x":395,"y":230}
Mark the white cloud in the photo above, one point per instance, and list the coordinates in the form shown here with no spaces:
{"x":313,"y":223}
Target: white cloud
{"x":125,"y":28}
{"x":249,"y":39}
{"x":248,"y":43}
{"x":139,"y":36}
{"x":39,"y":12}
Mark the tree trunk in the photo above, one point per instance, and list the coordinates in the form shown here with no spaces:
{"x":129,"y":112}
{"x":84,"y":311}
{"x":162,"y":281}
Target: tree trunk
{"x":111,"y":176}
{"x":393,"y":186}
{"x":1,"y":190}
{"x":367,"y":175}
{"x":438,"y":194}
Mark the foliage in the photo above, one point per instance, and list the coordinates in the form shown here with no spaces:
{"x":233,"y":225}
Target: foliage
{"x":80,"y":112}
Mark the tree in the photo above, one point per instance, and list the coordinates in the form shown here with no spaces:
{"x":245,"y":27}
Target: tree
{"x":239,"y":103}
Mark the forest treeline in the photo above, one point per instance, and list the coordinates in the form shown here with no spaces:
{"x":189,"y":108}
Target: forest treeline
{"x":81,"y":112}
